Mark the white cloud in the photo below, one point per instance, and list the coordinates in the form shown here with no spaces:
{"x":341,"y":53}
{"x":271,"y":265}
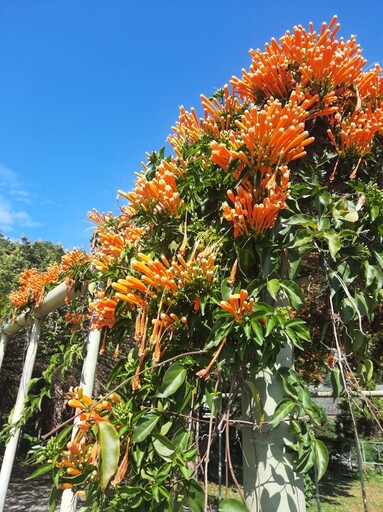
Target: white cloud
{"x":11,"y":218}
{"x":11,"y":192}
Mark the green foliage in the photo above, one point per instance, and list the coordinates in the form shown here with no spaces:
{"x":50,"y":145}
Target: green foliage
{"x":262,"y":231}
{"x":16,"y":256}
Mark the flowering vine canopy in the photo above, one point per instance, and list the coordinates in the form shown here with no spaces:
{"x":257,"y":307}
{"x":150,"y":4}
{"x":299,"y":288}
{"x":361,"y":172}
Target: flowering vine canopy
{"x":272,"y":188}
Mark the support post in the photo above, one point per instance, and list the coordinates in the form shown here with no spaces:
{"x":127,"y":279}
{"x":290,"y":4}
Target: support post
{"x":270,"y":484}
{"x":10,"y":451}
{"x":3,"y":347}
{"x":69,"y":499}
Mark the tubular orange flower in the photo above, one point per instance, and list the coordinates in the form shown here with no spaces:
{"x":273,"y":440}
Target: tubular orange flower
{"x":205,"y":373}
{"x":102,"y":310}
{"x":159,"y":194}
{"x":356,"y":132}
{"x":73,"y":259}
{"x":32,"y":285}
{"x":319,"y":62}
{"x":252,"y":213}
{"x":238,"y":305}
{"x":218,"y":116}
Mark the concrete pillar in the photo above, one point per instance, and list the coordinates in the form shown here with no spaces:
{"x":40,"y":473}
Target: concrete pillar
{"x":270,"y":484}
{"x":69,"y":499}
{"x":10,"y":451}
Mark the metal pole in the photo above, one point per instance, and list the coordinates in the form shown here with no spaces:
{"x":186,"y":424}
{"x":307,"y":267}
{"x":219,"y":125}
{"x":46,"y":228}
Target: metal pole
{"x":10,"y":451}
{"x":270,"y":484}
{"x":69,"y":499}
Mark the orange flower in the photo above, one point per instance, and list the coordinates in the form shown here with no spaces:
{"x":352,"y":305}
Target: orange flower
{"x":158,"y":195}
{"x":319,"y":62}
{"x":251,"y":212}
{"x":218,"y":117}
{"x":238,"y":305}
{"x":102,"y":310}
{"x":356,"y":132}
{"x":32,"y":285}
{"x":73,"y":259}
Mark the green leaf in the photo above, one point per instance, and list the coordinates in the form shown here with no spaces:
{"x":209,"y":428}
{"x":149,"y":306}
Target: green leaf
{"x":273,"y":287}
{"x":195,"y":496}
{"x":301,"y":220}
{"x":226,"y":289}
{"x":305,"y":461}
{"x":246,"y":259}
{"x":301,"y":238}
{"x":362,"y":305}
{"x":258,"y":331}
{"x":337,"y":383}
{"x":40,"y":471}
{"x":305,"y":398}
{"x":173,"y":379}
{"x":324,"y":201}
{"x":256,"y":394}
{"x":232,"y":505}
{"x":144,"y":427}
{"x":379,"y":257}
{"x":333,"y":241}
{"x":270,"y":324}
{"x":109,"y":449}
{"x":351,"y":216}
{"x":164,"y":447}
{"x":294,"y":293}
{"x":282,"y":410}
{"x":368,"y":370}
{"x":321,"y":457}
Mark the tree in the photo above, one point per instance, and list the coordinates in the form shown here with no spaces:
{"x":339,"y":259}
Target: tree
{"x":16,"y":256}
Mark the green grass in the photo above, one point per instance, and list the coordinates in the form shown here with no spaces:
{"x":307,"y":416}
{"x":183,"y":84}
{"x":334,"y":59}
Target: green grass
{"x":341,"y":492}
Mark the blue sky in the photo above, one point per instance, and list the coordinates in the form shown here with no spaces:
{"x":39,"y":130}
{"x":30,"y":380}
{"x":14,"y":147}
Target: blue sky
{"x":87,"y":87}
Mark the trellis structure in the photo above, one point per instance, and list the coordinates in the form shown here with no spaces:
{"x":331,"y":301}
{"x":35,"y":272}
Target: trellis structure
{"x":53,"y":300}
{"x":260,"y":469}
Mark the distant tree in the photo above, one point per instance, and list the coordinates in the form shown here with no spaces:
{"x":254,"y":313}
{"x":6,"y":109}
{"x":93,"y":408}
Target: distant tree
{"x":16,"y":256}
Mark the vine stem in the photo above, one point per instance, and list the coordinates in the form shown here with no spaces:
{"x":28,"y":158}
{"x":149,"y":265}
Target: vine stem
{"x":208,"y":447}
{"x":350,"y":404}
{"x":156,"y":365}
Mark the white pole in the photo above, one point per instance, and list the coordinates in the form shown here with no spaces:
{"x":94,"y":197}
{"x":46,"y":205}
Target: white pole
{"x":53,"y":300}
{"x":10,"y":451}
{"x":270,"y":484}
{"x":3,"y":346}
{"x":69,"y":499}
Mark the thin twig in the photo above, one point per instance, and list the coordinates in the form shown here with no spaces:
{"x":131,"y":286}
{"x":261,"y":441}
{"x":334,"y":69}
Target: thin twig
{"x":230,"y":461}
{"x":350,"y":404}
{"x":207,"y":453}
{"x":157,"y":365}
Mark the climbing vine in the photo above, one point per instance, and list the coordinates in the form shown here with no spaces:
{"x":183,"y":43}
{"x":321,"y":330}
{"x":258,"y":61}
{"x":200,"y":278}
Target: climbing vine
{"x":272,"y":191}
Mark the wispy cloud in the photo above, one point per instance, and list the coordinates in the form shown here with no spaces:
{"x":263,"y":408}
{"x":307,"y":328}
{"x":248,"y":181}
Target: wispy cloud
{"x":11,"y":193}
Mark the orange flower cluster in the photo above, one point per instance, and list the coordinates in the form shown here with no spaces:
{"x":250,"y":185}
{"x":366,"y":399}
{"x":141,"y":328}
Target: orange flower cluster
{"x":109,"y":249}
{"x":238,"y":305}
{"x":158,"y":195}
{"x":251,"y":213}
{"x":102,"y":310}
{"x":75,"y":320}
{"x":83,"y":450}
{"x":356,"y":132}
{"x":73,"y":259}
{"x":218,"y":117}
{"x":318,"y":62}
{"x":32,"y":285}
{"x":114,"y":235}
{"x":162,"y":276}
{"x":274,"y":135}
